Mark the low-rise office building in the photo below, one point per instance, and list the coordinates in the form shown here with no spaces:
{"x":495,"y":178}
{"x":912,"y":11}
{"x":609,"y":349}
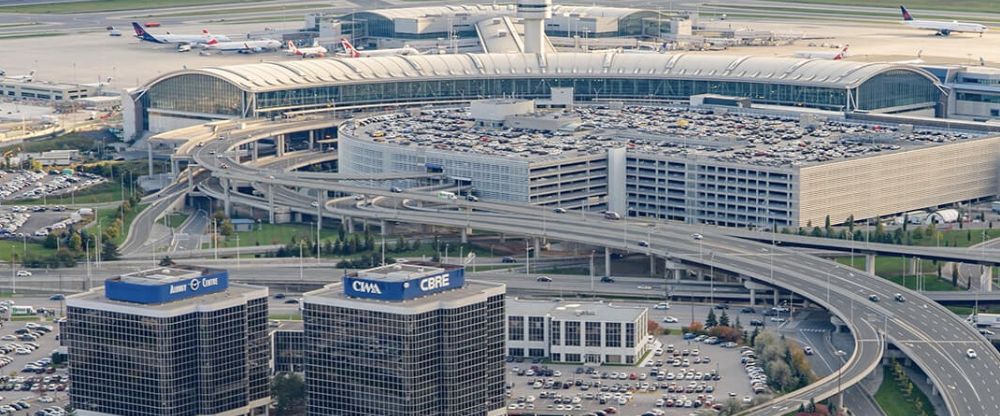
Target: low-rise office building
{"x":576,"y":332}
{"x":288,"y":348}
{"x":405,"y":339}
{"x":177,"y":341}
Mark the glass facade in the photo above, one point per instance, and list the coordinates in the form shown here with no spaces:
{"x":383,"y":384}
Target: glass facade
{"x":440,"y":362}
{"x":536,"y":328}
{"x":288,"y":351}
{"x":192,"y":364}
{"x":515,"y":328}
{"x":196,"y":93}
{"x":896,"y":88}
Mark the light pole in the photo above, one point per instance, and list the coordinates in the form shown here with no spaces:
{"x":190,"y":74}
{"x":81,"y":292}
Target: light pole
{"x":446,"y":245}
{"x":711,"y":277}
{"x":527,"y":259}
{"x":300,"y":261}
{"x":840,"y":371}
{"x":592,"y":270}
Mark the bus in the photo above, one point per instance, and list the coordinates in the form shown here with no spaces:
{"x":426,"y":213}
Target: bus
{"x":447,"y":195}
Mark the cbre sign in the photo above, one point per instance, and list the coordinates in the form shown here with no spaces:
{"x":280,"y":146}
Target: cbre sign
{"x":398,"y":290}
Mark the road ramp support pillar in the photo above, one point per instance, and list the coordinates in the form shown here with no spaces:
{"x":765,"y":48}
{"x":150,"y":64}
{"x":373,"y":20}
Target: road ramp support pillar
{"x":753,"y":297}
{"x":870,"y":263}
{"x":986,"y":278}
{"x":607,"y":261}
{"x":465,"y":235}
{"x":227,"y":200}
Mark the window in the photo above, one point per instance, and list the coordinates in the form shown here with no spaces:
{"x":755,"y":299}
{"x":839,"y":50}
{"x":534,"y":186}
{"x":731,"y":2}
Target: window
{"x":536,"y":328}
{"x":515,"y":328}
{"x":613,"y":334}
{"x":572,"y":334}
{"x":556,"y":357}
{"x":536,"y":352}
{"x":573,"y":358}
{"x":593,"y":334}
{"x":515,"y":352}
{"x":629,"y":335}
{"x":556,"y":332}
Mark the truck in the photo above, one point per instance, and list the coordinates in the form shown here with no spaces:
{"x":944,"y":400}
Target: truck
{"x":18,"y":310}
{"x":447,"y":195}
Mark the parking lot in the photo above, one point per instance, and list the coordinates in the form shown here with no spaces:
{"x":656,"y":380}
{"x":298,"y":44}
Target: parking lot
{"x":764,"y":139}
{"x":26,"y":376}
{"x":27,"y":184}
{"x":27,"y":222}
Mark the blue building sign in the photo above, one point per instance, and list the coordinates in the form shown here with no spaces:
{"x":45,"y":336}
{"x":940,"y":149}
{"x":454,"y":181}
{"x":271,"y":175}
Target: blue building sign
{"x":398,"y":290}
{"x":149,"y":291}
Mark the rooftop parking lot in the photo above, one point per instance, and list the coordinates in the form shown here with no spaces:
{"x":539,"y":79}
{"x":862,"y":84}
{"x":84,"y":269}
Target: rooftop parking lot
{"x":759,"y":138}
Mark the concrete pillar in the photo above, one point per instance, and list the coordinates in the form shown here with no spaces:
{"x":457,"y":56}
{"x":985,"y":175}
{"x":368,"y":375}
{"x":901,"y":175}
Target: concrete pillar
{"x":312,"y":139}
{"x":253,"y":151}
{"x":652,"y":265}
{"x":503,"y":238}
{"x":913,"y":266}
{"x":986,"y":279}
{"x":270,"y":203}
{"x":227,"y":202}
{"x":465,"y":236}
{"x":753,"y":297}
{"x":279,"y":144}
{"x":350,"y":224}
{"x":870,"y":263}
{"x":319,"y":208}
{"x":149,"y":156}
{"x":607,"y":261}
{"x":382,"y":225}
{"x":776,"y":296}
{"x":190,"y":181}
{"x":538,"y":245}
{"x":364,"y":225}
{"x":174,"y":167}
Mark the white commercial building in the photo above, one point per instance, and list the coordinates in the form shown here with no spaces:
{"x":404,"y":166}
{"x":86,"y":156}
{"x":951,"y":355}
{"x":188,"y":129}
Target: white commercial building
{"x":576,"y":332}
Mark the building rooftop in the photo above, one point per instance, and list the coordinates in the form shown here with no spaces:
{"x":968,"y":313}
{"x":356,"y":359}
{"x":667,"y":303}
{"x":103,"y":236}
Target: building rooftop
{"x":269,"y":76}
{"x":573,"y":311}
{"x":162,"y":275}
{"x":399,"y":272}
{"x":234,"y":294}
{"x":334,"y":293}
{"x":756,"y":137}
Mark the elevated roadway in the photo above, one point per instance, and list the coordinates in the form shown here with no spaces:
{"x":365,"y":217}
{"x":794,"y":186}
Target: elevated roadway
{"x":926,"y":332}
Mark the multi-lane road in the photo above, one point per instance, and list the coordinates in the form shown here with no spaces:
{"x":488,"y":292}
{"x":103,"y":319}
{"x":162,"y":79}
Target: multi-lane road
{"x":929,"y":334}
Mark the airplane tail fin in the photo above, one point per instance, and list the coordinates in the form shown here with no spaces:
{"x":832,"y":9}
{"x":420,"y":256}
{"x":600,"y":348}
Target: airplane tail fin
{"x":292,"y":48}
{"x":212,"y":41}
{"x":906,"y":14}
{"x":349,"y":48}
{"x":841,"y":54}
{"x":142,"y":33}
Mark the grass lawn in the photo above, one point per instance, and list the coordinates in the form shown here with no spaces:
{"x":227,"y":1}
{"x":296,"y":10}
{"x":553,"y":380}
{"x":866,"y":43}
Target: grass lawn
{"x":107,"y":216}
{"x":17,"y":247}
{"x":262,"y":9}
{"x":104,"y":192}
{"x":958,"y":238}
{"x":895,"y":269}
{"x":914,"y":6}
{"x":111,"y":5}
{"x":175,"y":219}
{"x":31,"y":35}
{"x":275,"y":234}
{"x":64,"y":142}
{"x":891,"y":399}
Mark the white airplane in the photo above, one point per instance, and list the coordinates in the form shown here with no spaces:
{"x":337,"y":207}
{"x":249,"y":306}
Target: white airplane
{"x":835,"y":56}
{"x":249,"y":46}
{"x":204,"y":37}
{"x":943,"y":28}
{"x":25,"y":78}
{"x":349,"y":51}
{"x":315,"y":51}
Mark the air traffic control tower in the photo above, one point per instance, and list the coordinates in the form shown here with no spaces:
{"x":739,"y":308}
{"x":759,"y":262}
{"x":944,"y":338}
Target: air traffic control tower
{"x":405,"y":339}
{"x":533,"y":13}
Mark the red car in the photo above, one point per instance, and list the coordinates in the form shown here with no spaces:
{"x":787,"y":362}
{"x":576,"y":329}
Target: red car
{"x":152,"y":24}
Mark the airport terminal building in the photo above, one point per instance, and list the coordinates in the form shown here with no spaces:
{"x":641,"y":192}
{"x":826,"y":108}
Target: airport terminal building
{"x":195,"y":96}
{"x":405,"y":339}
{"x":177,"y":341}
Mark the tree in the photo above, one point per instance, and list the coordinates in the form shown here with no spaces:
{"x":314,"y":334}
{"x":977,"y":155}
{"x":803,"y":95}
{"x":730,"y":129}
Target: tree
{"x":817,"y":232}
{"x":711,"y":320}
{"x":695,"y":327}
{"x":954,"y":275}
{"x":50,"y":242}
{"x":226,"y":228}
{"x":289,"y":392}
{"x":75,"y":242}
{"x":109,"y":250}
{"x":827,"y":227}
{"x":724,"y":319}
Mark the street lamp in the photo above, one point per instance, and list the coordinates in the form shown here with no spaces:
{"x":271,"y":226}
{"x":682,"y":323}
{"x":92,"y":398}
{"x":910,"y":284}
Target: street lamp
{"x":840,"y":371}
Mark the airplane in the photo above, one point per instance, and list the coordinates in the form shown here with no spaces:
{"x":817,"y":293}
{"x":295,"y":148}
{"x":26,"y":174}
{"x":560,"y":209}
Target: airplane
{"x":943,"y":28}
{"x":314,"y":51}
{"x":25,"y":78}
{"x":204,"y":37}
{"x":349,"y":51}
{"x":834,"y":56}
{"x":249,"y":46}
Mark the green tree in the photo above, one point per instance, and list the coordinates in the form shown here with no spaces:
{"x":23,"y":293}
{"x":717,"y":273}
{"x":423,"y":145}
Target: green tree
{"x":817,"y":232}
{"x":724,"y":319}
{"x":75,"y":242}
{"x":711,"y":320}
{"x":827,"y":227}
{"x":226,"y":228}
{"x":50,"y":241}
{"x":109,"y":250}
{"x":289,"y":393}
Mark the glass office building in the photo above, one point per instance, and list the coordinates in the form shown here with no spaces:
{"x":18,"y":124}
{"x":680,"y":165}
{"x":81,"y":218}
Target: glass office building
{"x":176,"y":341}
{"x":373,"y":350}
{"x":277,"y":88}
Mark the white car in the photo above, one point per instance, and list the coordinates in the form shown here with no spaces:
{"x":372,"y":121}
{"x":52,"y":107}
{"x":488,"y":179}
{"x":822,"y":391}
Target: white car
{"x":697,"y":236}
{"x":670,"y":320}
{"x":662,"y":306}
{"x":645,"y":287}
{"x":971,"y":353}
{"x":23,"y":273}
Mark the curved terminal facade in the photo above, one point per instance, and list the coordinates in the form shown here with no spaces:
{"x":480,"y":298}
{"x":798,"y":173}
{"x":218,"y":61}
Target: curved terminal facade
{"x":272,"y":89}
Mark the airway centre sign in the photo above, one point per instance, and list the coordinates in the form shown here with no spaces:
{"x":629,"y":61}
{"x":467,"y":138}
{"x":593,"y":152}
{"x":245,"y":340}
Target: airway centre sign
{"x":123,"y":290}
{"x":397,"y":290}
